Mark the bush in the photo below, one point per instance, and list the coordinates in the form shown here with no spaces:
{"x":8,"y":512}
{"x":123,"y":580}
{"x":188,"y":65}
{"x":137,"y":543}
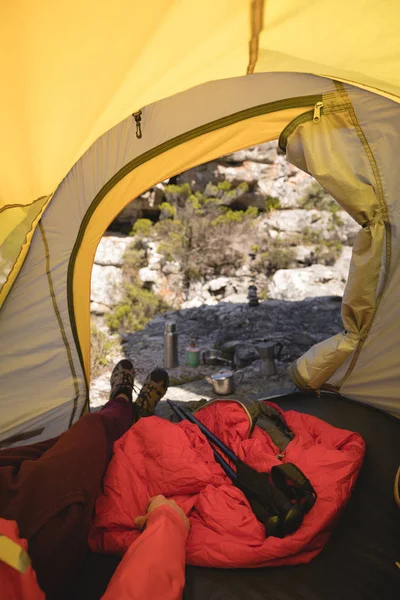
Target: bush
{"x":224,"y":185}
{"x":134,"y":260}
{"x":272,"y":203}
{"x":177,"y":194}
{"x":230,"y":216}
{"x":167,"y":210}
{"x":142,"y":227}
{"x":101,"y":347}
{"x":275,"y":254}
{"x":137,"y":307}
{"x":312,"y":236}
{"x":328,"y":253}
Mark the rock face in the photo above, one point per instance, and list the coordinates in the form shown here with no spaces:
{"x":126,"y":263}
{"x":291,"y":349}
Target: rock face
{"x":310,"y":282}
{"x":267,"y":173}
{"x":106,"y":282}
{"x":111,"y":250}
{"x":288,"y":222}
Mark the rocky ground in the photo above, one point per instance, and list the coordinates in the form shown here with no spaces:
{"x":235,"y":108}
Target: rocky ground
{"x":235,"y":329}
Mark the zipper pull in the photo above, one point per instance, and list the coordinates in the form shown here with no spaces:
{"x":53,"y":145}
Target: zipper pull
{"x":317,"y":112}
{"x":280,"y":456}
{"x":138,"y":118}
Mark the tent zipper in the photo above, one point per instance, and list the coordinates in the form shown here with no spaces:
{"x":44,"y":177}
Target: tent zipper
{"x":313,"y":115}
{"x":138,"y":120}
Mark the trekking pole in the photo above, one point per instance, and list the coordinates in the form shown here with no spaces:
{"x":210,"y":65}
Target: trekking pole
{"x":182,"y":414}
{"x":269,"y":504}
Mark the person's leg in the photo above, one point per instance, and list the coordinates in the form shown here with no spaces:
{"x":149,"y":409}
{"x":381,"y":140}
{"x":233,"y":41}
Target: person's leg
{"x":52,"y":496}
{"x":51,"y":490}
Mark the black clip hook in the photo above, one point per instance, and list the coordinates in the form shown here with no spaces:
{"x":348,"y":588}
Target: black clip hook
{"x":138,"y":119}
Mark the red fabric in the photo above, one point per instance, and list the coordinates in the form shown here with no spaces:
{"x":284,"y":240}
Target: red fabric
{"x":158,"y":457}
{"x":15,"y":585}
{"x":50,"y":489}
{"x":154,"y":566}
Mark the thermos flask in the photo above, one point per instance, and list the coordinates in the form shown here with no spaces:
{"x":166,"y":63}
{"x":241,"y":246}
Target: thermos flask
{"x":170,"y":346}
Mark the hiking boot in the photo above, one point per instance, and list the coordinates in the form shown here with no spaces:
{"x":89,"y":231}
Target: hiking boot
{"x":153,"y":389}
{"x":122,"y":379}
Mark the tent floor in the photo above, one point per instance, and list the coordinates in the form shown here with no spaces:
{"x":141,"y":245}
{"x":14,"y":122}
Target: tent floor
{"x":358,"y":563}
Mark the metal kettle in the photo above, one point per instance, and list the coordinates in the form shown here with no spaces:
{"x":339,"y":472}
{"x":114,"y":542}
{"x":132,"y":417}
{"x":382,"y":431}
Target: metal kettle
{"x":224,"y":382}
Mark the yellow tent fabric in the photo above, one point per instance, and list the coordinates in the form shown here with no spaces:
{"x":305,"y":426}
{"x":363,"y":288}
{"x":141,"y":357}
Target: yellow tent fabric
{"x":72,"y":75}
{"x":71,"y":70}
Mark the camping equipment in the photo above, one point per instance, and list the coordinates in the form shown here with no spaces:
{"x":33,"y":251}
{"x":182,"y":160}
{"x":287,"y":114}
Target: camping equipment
{"x":192,"y":355}
{"x":156,"y":456}
{"x":280,"y":506}
{"x":224,"y":381}
{"x":171,"y":358}
{"x":364,"y":546}
{"x":268,"y":353}
{"x":214,"y":357}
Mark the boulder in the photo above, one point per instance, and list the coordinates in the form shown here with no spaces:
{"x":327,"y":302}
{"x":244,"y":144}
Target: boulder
{"x":321,"y":223}
{"x":310,"y":282}
{"x":217,"y":286}
{"x":304,"y":254}
{"x":147,"y":275}
{"x":342,"y":265}
{"x":96,"y":308}
{"x":248,"y":171}
{"x":111,"y":250}
{"x":106,"y":285}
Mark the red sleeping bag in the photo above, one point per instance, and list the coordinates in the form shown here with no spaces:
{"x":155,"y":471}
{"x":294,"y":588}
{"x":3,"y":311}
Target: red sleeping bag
{"x":159,"y":457}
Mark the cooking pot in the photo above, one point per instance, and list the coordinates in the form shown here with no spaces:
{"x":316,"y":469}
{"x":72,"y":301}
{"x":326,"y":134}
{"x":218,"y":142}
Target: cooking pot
{"x":224,"y":382}
{"x":214,"y":357}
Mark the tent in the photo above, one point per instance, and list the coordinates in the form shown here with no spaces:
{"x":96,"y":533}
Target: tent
{"x":100,"y":101}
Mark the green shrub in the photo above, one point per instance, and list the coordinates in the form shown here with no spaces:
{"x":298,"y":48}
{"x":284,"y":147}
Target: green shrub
{"x":195,"y":203}
{"x":329,"y":252}
{"x":312,"y":236}
{"x":278,"y":257}
{"x":272,"y":203}
{"x":273,"y":254}
{"x":336,"y":221}
{"x":251,"y":212}
{"x":225,"y":185}
{"x":177,"y":194}
{"x":209,"y":201}
{"x":242,"y":187}
{"x":230,"y":216}
{"x":142,"y":227}
{"x":167,"y":210}
{"x":101,"y":347}
{"x":211,"y":190}
{"x":137,"y":307}
{"x":134,"y":260}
